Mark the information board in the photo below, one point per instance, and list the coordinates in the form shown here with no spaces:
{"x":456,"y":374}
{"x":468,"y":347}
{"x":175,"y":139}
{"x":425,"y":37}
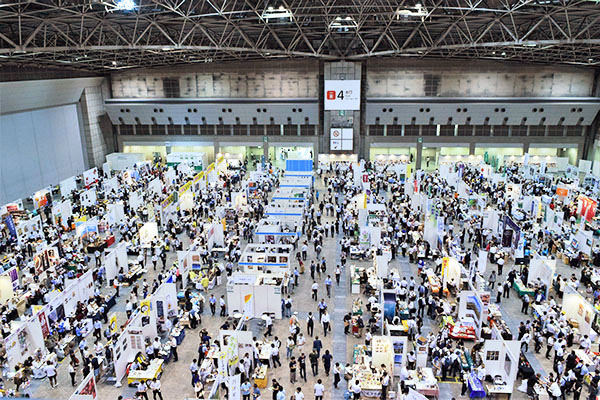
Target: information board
{"x":342,"y":95}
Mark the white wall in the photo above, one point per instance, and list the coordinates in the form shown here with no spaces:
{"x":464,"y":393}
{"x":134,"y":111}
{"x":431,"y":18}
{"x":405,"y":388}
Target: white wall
{"x":38,"y":148}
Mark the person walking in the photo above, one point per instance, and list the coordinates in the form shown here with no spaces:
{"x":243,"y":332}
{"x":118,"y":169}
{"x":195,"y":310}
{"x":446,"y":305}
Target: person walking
{"x":338,"y":275}
{"x":325,"y":320}
{"x":314,"y":362}
{"x":525,"y":303}
{"x":302,"y":366}
{"x":327,"y":357}
{"x":212,"y":301}
{"x":336,"y":375}
{"x":50,"y":370}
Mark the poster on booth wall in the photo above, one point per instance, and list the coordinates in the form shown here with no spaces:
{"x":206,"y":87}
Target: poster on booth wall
{"x":90,"y":177}
{"x":88,"y":198}
{"x":67,"y":186}
{"x":86,"y":390}
{"x":44,"y":323}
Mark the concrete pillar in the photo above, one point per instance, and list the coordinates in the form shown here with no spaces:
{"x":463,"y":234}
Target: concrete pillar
{"x":419,"y":155}
{"x":216,"y":148}
{"x":472,"y":149}
{"x":525,"y":148}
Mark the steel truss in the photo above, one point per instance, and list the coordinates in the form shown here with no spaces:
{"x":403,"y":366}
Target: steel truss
{"x":93,"y":36}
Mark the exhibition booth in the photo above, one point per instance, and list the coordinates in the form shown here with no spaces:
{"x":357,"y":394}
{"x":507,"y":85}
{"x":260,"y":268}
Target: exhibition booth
{"x":256,"y":294}
{"x":264,"y":257}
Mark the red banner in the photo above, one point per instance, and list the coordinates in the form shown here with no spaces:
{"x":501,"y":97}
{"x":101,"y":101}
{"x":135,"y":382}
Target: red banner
{"x":587,"y":208}
{"x":44,"y":324}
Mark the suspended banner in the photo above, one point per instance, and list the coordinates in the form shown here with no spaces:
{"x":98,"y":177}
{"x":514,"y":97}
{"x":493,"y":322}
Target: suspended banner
{"x":586,"y":208}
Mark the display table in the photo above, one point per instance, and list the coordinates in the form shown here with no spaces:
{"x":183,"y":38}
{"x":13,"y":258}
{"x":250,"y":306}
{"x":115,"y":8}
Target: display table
{"x":178,"y":334}
{"x":261,"y":377}
{"x":475,"y":386}
{"x":499,"y":391}
{"x":140,"y":375}
{"x":424,"y":382}
{"x":521,"y":289}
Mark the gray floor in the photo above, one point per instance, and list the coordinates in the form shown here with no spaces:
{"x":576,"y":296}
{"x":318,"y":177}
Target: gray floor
{"x":176,"y":377}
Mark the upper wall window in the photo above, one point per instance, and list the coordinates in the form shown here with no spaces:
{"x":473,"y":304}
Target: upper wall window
{"x":171,"y":87}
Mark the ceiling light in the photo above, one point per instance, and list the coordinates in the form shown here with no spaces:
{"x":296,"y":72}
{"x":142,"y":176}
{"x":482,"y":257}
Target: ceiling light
{"x":343,"y":24}
{"x":125,"y":5}
{"x":503,"y":53}
{"x":417,"y":11}
{"x":280,"y":13}
{"x":114,"y":63}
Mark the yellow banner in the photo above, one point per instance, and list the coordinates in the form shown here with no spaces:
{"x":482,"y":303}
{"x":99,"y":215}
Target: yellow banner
{"x":169,"y":200}
{"x":198,"y":177}
{"x":112,"y":323}
{"x":210,"y":168}
{"x":185,"y":188}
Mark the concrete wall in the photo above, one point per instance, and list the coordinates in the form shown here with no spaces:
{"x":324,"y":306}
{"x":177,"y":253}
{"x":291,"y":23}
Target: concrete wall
{"x":92,"y":109}
{"x":37,"y":149}
{"x":410,"y":78}
{"x":273,"y":79}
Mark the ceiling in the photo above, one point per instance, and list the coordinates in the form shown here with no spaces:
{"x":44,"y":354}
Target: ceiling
{"x":104,"y":35}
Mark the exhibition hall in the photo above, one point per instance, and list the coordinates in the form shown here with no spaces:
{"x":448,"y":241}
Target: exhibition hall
{"x":291,"y":200}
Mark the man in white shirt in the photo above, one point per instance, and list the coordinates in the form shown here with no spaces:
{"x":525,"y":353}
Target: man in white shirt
{"x":315,"y":290}
{"x":298,"y":395}
{"x":155,"y":386}
{"x":356,"y":389}
{"x":319,"y":390}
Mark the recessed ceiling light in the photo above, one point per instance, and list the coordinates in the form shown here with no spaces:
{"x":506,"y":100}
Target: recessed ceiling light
{"x":114,"y":63}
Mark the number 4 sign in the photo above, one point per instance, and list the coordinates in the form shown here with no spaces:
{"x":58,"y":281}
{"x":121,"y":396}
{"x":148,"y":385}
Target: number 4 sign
{"x":342,"y":95}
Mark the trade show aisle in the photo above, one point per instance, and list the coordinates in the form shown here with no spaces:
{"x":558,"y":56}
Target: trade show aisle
{"x":340,"y":343}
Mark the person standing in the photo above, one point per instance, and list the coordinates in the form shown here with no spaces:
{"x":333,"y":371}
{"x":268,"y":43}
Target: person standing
{"x":355,"y":389}
{"x":298,"y":395}
{"x":525,"y":306}
{"x":141,"y":390}
{"x":338,"y":275}
{"x":293,"y":370}
{"x":315,"y":290}
{"x":212,"y":301}
{"x":173,"y":344}
{"x":245,"y":390}
{"x":72,"y":373}
{"x":275,"y":356}
{"x":319,"y":390}
{"x":310,"y":324}
{"x":223,"y":306}
{"x":155,"y":387}
{"x":385,"y":383}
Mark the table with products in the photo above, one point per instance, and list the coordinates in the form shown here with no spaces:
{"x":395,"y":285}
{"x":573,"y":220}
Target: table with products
{"x":261,"y":377}
{"x":424,"y":382}
{"x":522,"y":289}
{"x":179,"y":334}
{"x":498,"y":391}
{"x":152,"y":372}
{"x":475,"y":386}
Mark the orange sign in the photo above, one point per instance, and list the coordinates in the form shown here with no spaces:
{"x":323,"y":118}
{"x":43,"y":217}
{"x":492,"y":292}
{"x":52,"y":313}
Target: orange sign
{"x":562,"y":191}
